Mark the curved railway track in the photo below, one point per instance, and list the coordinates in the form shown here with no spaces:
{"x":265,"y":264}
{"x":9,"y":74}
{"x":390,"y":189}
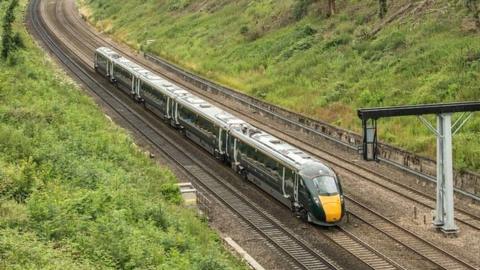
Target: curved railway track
{"x":265,"y":224}
{"x":429,"y":251}
{"x":94,"y":40}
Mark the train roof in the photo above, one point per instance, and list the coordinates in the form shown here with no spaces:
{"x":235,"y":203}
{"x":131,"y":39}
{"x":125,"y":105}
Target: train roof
{"x":215,"y":114}
{"x":182,"y":96}
{"x":108,"y":52}
{"x":281,"y":150}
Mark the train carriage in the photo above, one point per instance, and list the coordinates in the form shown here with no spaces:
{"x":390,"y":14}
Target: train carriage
{"x":156,"y":100}
{"x":296,"y":179}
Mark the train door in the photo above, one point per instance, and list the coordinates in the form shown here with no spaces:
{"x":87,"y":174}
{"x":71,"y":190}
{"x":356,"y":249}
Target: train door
{"x":235,"y":154}
{"x":137,"y":89}
{"x":167,"y":111}
{"x":111,"y":71}
{"x":108,"y":69}
{"x":134,"y":83}
{"x":174,"y":114}
{"x":285,"y":180}
{"x":227,"y":144}
{"x":222,"y":141}
{"x":303,"y":195}
{"x":295,"y":188}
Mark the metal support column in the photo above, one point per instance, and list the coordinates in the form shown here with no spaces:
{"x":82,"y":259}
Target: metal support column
{"x":438,"y":222}
{"x":444,"y":218}
{"x":370,"y":139}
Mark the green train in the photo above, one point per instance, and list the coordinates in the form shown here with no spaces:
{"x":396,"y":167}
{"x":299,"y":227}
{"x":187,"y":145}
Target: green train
{"x":304,"y":184}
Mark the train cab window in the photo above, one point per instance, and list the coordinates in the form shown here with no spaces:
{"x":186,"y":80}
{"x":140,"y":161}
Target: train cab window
{"x":325,"y":185}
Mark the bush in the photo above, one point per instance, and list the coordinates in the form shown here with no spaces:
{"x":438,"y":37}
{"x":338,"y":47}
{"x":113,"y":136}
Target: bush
{"x":300,"y":9}
{"x":10,"y":41}
{"x":338,"y":40}
{"x":75,"y":193}
{"x":392,"y":41}
{"x":244,"y":30}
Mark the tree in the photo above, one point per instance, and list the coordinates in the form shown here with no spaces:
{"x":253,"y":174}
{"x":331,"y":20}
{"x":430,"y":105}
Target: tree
{"x":331,"y":7}
{"x":382,"y":8}
{"x":10,"y":42}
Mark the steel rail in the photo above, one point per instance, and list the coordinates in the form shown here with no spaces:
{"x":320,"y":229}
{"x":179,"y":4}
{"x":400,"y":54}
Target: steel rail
{"x":426,"y":249}
{"x":360,"y":249}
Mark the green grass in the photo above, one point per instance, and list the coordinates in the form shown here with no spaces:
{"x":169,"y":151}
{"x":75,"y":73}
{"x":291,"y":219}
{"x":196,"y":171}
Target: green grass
{"x":322,"y":67}
{"x":75,"y":192}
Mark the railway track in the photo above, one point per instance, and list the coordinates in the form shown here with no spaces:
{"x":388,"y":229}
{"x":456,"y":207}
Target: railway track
{"x":355,"y":246}
{"x":337,"y":161}
{"x":429,"y":251}
{"x":348,"y":241}
{"x":301,"y":255}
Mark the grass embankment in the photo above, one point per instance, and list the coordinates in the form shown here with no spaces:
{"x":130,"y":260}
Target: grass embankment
{"x":319,"y":66}
{"x":75,"y":192}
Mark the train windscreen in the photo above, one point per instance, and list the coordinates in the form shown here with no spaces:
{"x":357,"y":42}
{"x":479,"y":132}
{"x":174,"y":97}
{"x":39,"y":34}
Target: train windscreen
{"x":325,"y":185}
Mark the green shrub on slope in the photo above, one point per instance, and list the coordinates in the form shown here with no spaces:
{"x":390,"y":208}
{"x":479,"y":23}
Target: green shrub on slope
{"x":76,"y":193}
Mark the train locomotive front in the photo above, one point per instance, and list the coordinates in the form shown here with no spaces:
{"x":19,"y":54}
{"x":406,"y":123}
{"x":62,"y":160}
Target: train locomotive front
{"x":322,"y":197}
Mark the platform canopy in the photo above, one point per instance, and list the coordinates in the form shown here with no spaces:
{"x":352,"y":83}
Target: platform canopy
{"x":380,"y":112}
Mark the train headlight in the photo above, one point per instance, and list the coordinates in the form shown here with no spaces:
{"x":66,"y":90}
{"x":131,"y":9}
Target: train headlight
{"x":341,"y":199}
{"x":317,"y":201}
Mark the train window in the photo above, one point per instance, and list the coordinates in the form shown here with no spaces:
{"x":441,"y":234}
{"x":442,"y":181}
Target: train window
{"x":187,"y":115}
{"x":154,"y":93}
{"x":247,"y":151}
{"x":289,"y":176}
{"x":205,"y":125}
{"x":101,"y":61}
{"x":122,"y":74}
{"x":325,"y":185}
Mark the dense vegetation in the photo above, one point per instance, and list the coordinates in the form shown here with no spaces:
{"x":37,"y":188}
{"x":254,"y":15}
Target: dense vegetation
{"x":75,"y":192}
{"x":303,"y":56}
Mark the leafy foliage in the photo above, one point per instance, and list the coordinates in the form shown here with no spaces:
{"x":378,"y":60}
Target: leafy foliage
{"x":10,"y":41}
{"x":300,"y":9}
{"x":76,"y":193}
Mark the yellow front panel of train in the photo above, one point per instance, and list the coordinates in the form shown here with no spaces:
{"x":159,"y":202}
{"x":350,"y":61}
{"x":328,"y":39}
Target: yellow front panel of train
{"x":332,"y":207}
